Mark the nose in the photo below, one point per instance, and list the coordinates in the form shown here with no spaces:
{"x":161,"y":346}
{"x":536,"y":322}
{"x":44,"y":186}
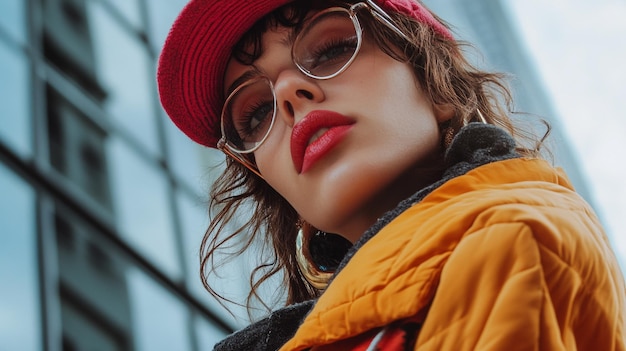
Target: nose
{"x":294,"y":92}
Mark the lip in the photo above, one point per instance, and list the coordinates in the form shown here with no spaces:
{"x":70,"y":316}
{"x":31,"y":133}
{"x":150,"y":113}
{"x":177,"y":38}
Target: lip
{"x":303,"y":154}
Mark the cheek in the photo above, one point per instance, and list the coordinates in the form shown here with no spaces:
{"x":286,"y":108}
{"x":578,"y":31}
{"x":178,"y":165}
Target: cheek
{"x":273,"y":158}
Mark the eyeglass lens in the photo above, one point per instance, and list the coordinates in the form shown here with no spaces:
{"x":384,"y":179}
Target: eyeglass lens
{"x":325,"y":47}
{"x":248,"y":114}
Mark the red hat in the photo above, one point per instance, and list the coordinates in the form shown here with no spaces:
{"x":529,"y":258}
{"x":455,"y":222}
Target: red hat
{"x":193,"y":60}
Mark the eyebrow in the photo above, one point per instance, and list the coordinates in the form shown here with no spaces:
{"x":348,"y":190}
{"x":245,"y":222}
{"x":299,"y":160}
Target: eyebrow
{"x":249,"y":74}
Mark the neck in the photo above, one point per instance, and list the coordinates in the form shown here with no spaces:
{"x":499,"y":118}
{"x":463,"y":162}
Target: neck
{"x":407,"y":184}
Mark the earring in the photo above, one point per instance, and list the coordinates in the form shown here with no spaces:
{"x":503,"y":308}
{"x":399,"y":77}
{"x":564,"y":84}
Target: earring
{"x":448,"y":133}
{"x":318,"y":254}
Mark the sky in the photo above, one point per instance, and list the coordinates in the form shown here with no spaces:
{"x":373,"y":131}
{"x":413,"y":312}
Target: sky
{"x":579,"y":47}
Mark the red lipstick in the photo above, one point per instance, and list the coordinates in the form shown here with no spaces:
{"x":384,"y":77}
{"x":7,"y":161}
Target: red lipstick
{"x":308,"y":145}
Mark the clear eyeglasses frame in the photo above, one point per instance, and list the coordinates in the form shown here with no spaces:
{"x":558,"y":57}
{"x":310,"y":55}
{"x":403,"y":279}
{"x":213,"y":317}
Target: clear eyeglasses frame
{"x":232,"y":143}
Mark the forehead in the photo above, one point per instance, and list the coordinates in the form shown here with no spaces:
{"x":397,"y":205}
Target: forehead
{"x":275,"y":42}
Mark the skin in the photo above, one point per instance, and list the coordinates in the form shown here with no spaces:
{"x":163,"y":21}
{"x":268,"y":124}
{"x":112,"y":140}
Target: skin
{"x":382,"y":159}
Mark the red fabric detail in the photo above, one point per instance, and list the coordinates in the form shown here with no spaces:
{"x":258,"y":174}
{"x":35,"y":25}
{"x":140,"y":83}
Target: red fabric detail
{"x":393,"y":340}
{"x":417,"y":11}
{"x":398,"y":337}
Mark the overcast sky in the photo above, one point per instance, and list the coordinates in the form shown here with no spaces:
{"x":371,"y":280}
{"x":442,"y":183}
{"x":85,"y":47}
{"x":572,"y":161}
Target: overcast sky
{"x":579,"y":47}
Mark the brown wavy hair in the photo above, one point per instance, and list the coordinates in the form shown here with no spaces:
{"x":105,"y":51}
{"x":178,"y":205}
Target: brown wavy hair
{"x":444,"y":74}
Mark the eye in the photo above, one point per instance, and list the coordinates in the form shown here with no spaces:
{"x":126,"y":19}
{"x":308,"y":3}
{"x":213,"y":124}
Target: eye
{"x":332,"y":52}
{"x":254,"y":121}
{"x":326,"y":44}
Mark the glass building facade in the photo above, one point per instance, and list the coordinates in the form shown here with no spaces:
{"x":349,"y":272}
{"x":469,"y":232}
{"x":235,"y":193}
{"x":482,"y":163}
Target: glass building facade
{"x":101,"y":208}
{"x":102,"y":200}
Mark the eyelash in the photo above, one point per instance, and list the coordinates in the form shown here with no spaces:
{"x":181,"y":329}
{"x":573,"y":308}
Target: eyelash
{"x":328,"y":46}
{"x":249,"y":115}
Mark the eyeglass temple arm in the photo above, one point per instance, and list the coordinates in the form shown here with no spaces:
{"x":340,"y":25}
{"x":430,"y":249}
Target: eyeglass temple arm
{"x":249,"y":165}
{"x":379,"y":13}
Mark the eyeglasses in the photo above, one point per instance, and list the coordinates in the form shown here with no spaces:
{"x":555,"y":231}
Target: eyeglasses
{"x":324,"y":48}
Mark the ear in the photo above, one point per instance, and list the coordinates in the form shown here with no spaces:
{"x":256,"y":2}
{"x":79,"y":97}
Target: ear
{"x":443,"y":112}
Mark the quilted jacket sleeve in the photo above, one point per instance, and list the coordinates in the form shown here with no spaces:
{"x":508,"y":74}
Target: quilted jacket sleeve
{"x":501,"y":289}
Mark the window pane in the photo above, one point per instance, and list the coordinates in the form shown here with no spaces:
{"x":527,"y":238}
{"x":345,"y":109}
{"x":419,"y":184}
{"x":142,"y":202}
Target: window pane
{"x":93,"y":292}
{"x":160,"y":322}
{"x":77,"y":148}
{"x":12,"y":18}
{"x":162,"y":15}
{"x":82,"y":330}
{"x":19,"y":299}
{"x":14,"y":110}
{"x":142,"y":208}
{"x":195,"y":220}
{"x":191,"y":162}
{"x":108,"y":303}
{"x":208,"y":334}
{"x":129,"y":9}
{"x":232,"y":280}
{"x":123,"y":71}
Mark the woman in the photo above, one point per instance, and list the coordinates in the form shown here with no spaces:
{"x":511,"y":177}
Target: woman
{"x":363,"y":119}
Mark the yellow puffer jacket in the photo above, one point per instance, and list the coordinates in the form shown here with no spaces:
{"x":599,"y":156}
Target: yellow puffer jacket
{"x":505,"y":257}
